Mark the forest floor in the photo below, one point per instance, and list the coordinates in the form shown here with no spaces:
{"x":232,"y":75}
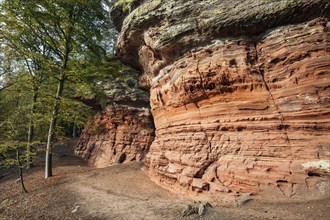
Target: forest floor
{"x":124,"y":191}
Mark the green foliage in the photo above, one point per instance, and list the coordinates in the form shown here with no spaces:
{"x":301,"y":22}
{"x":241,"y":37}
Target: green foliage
{"x":12,"y":142}
{"x":124,"y":4}
{"x":85,"y":84}
{"x":44,"y":43}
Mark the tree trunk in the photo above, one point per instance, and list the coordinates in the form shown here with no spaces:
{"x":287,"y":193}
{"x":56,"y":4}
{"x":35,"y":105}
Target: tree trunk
{"x":74,"y":130}
{"x":56,"y":107}
{"x":60,"y":87}
{"x":20,"y":171}
{"x":31,"y":129}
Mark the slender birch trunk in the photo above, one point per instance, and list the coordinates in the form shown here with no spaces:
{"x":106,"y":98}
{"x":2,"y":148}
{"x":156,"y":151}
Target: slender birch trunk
{"x":56,"y":107}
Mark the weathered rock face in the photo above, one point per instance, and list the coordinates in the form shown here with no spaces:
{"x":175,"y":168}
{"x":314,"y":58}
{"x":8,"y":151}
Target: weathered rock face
{"x":240,"y":94}
{"x":124,"y":130}
{"x":157,"y":32}
{"x":246,"y":117}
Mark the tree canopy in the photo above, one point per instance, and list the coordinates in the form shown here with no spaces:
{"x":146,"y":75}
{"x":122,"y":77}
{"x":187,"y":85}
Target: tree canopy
{"x":49,"y":52}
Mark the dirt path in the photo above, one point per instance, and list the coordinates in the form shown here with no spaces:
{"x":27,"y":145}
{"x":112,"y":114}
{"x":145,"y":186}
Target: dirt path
{"x":77,"y":191}
{"x":127,"y":194}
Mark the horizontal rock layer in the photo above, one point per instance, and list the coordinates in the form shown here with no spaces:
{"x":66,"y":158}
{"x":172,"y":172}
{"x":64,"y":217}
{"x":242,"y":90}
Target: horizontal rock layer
{"x":118,"y":134}
{"x":156,"y":33}
{"x":247,"y":115}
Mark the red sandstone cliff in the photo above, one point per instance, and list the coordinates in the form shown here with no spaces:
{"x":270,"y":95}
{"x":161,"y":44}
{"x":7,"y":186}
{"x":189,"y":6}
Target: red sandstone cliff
{"x":121,"y":132}
{"x":246,"y":117}
{"x":240,"y":93}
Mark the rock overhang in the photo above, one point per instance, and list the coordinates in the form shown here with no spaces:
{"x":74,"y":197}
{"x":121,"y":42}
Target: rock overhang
{"x":166,"y":30}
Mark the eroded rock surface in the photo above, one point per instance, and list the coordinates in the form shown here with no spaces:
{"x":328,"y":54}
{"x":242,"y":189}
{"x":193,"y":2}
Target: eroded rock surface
{"x":155,"y":33}
{"x":124,"y":130}
{"x":240,"y":94}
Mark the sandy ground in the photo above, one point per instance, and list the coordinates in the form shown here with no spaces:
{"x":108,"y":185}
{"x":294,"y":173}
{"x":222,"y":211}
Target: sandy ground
{"x":124,"y":191}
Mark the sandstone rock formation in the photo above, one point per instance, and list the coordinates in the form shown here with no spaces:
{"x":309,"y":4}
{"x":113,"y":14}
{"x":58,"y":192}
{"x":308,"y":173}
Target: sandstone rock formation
{"x":124,"y":130}
{"x":240,"y":93}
